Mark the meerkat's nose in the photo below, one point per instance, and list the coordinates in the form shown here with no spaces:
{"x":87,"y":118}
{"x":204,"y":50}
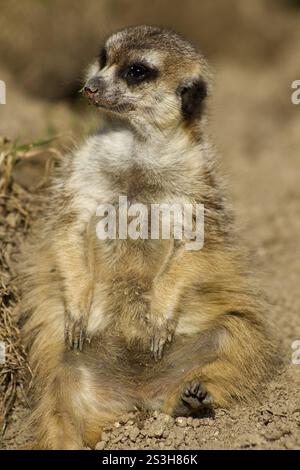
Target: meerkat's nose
{"x":92,"y":86}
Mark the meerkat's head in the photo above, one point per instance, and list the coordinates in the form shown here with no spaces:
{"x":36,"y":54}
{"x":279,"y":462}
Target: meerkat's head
{"x":150,"y":77}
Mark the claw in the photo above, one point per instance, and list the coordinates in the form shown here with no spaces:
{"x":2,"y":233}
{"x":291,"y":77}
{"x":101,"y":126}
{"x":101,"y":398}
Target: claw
{"x":75,"y":333}
{"x":81,"y":339}
{"x":158,"y":342}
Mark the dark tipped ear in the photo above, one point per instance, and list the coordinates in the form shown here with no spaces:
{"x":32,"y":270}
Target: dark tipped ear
{"x":192,"y":99}
{"x":103,"y":57}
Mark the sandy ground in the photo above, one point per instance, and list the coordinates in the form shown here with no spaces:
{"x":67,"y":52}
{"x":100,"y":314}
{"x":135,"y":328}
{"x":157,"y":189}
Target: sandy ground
{"x":258,"y":136}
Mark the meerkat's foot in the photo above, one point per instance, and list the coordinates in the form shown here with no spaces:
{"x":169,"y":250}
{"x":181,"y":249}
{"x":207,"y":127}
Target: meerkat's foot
{"x":75,"y":331}
{"x":195,"y":396}
{"x":193,"y":399}
{"x":160,"y":338}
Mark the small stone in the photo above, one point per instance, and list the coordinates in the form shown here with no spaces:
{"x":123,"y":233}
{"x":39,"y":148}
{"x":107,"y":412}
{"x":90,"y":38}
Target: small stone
{"x":190,"y":435}
{"x":179,"y":435}
{"x":180,"y":422}
{"x":124,"y":419}
{"x":289,"y":444}
{"x":134,"y":434}
{"x":118,"y":438}
{"x":100,"y":445}
{"x":156,"y":429}
{"x":273,"y":434}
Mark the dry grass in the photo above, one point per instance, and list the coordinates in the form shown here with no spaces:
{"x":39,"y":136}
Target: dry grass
{"x":17,"y":208}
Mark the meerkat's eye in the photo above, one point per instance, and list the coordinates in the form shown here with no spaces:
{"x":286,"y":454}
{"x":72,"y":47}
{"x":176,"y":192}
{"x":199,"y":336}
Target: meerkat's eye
{"x":138,"y":72}
{"x":103,"y":58}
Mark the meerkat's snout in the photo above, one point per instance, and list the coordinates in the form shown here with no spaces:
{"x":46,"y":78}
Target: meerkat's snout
{"x":93,"y":88}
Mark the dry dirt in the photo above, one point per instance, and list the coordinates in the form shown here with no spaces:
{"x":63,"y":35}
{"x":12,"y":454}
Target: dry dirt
{"x":257,"y":130}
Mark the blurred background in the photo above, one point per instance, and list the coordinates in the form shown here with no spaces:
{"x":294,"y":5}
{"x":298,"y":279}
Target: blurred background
{"x":45,"y":46}
{"x":254,"y":48}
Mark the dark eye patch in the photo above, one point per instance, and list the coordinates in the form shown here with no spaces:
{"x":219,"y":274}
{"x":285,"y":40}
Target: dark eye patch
{"x":103,"y":57}
{"x":138,"y":72}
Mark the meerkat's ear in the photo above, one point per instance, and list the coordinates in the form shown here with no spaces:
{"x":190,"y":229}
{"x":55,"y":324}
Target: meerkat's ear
{"x":193,"y":95}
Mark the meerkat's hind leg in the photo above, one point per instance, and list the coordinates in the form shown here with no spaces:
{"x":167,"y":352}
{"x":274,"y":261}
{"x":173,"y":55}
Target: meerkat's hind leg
{"x":243,"y":359}
{"x":212,"y":368}
{"x":174,"y":386}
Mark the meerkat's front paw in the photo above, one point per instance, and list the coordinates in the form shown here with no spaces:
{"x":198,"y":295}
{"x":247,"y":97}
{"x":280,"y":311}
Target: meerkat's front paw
{"x":161,"y":336}
{"x":78,"y":304}
{"x":75,"y":331}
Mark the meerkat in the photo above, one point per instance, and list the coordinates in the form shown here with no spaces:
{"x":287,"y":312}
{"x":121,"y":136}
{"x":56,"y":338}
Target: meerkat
{"x":119,"y":324}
